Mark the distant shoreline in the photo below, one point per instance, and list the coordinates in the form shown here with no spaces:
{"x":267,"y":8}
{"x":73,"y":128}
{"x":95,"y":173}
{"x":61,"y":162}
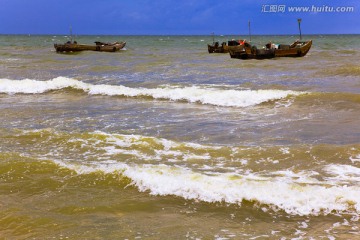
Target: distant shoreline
{"x":176,"y":35}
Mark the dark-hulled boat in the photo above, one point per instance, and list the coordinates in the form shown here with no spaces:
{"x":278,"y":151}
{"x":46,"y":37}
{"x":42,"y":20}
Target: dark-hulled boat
{"x":246,"y":51}
{"x":99,"y":46}
{"x":224,"y":47}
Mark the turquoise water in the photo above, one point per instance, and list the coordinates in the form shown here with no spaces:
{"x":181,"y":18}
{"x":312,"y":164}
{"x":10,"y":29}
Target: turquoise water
{"x":165,"y":141}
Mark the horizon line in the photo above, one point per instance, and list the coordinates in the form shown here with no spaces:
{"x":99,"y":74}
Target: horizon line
{"x":210,"y":34}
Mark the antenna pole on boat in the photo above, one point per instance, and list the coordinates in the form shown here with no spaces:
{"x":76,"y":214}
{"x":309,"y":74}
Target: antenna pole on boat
{"x":299,"y":22}
{"x":71,"y":36}
{"x":249,"y":31}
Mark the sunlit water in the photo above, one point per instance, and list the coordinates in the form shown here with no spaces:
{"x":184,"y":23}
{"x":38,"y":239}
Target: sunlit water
{"x":165,"y":141}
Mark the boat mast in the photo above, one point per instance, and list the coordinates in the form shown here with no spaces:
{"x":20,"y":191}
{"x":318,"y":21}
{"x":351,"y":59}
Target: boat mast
{"x":249,"y":31}
{"x":213,"y":37}
{"x":299,"y":21}
{"x":71,"y":35}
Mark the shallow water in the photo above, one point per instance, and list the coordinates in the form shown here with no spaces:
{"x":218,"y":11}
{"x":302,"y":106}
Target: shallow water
{"x":165,"y":141}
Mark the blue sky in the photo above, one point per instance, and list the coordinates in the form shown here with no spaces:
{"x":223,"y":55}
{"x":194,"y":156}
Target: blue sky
{"x":164,"y":17}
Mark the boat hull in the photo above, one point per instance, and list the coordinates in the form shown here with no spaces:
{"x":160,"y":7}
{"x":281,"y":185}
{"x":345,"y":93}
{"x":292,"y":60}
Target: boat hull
{"x":217,"y":49}
{"x":297,"y":49}
{"x":225,"y":47}
{"x":221,"y":49}
{"x":74,"y":47}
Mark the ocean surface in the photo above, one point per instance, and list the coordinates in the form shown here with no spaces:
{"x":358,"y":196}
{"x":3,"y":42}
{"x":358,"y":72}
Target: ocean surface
{"x":163,"y":140}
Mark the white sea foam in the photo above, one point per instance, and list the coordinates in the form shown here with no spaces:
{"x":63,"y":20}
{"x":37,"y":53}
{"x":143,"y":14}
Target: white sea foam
{"x":355,"y":159}
{"x":343,"y":173}
{"x":192,"y":94}
{"x":284,"y":150}
{"x":29,"y":86}
{"x":341,"y":170}
{"x":290,"y":196}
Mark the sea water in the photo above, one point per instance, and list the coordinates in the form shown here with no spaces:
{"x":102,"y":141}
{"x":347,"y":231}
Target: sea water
{"x":163,"y":140}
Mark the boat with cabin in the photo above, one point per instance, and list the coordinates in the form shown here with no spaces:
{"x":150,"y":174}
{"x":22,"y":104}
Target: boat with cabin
{"x":271,"y":50}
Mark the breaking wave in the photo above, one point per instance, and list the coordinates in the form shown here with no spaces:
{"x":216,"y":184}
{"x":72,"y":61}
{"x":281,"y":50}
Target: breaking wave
{"x":306,"y":197}
{"x":192,"y":94}
{"x":206,"y":173}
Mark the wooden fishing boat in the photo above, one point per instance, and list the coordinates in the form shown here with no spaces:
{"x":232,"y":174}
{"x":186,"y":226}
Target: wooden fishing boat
{"x":99,"y":46}
{"x":224,"y":47}
{"x":246,"y":51}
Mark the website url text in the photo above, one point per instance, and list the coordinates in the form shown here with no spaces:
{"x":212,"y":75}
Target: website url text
{"x":310,"y":9}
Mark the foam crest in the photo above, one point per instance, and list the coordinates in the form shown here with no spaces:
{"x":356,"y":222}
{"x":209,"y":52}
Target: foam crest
{"x":29,"y":86}
{"x":343,"y":173}
{"x":312,"y":198}
{"x":192,"y":94}
{"x":355,"y":159}
{"x":152,"y":149}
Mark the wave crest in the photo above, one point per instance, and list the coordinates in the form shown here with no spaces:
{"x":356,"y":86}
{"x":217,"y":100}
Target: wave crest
{"x":192,"y":94}
{"x":292,"y":197}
